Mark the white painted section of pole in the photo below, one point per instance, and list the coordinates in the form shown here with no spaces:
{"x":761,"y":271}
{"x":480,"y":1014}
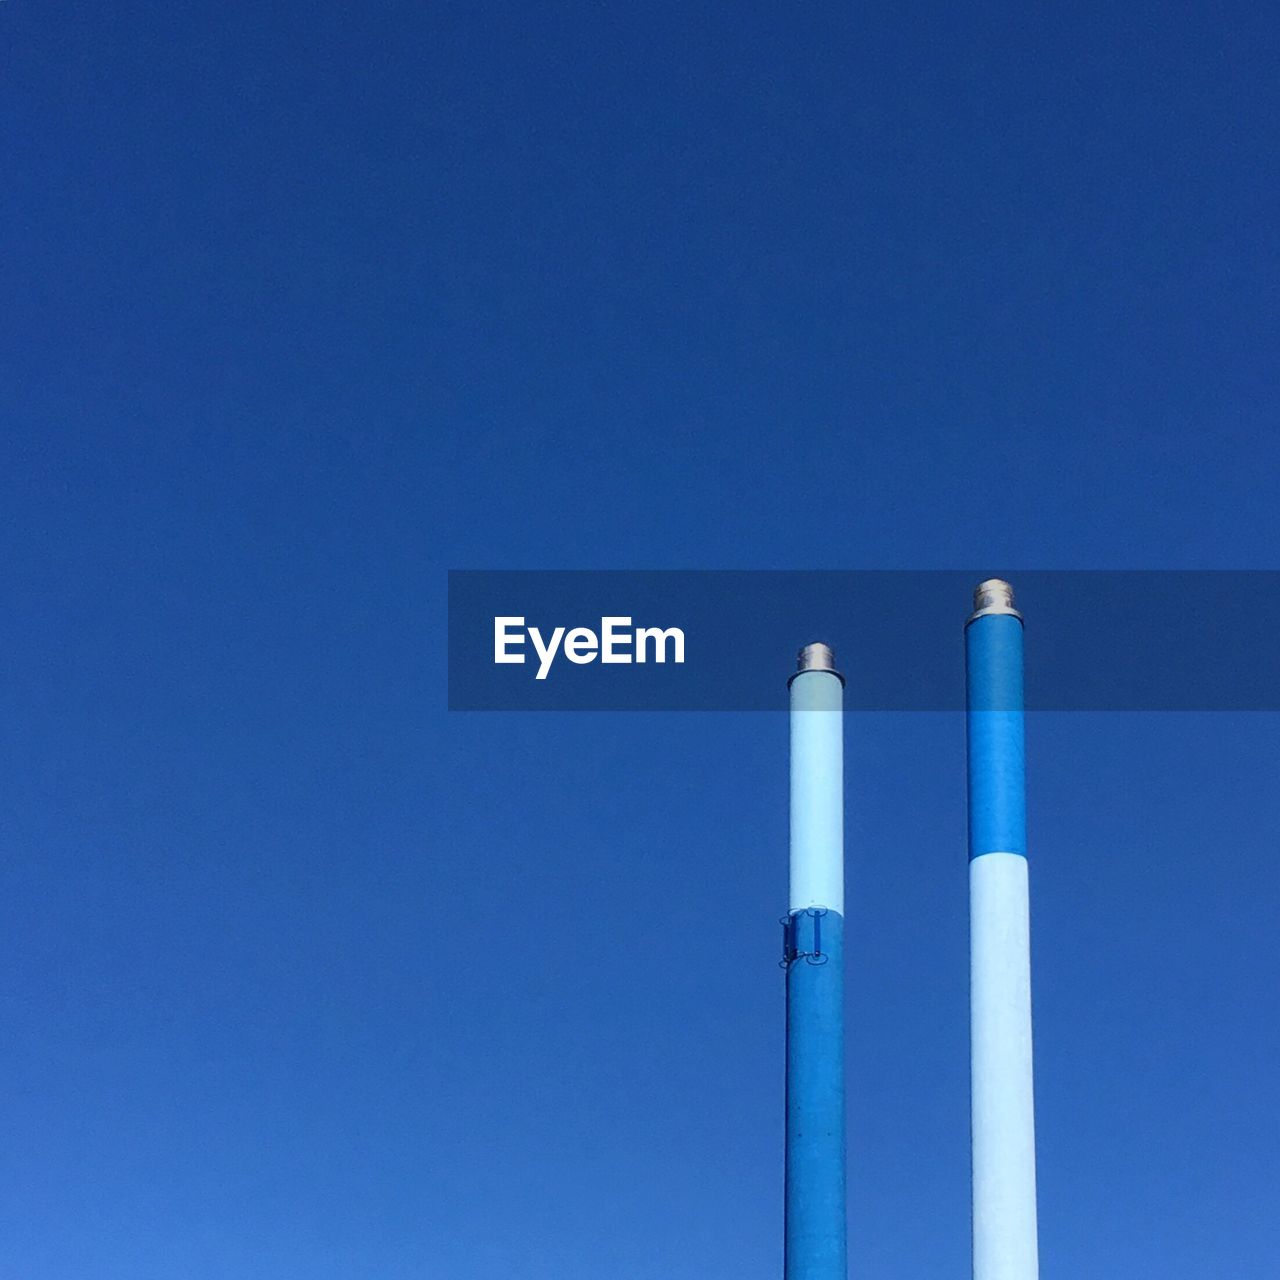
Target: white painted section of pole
{"x":1004,"y":1148}
{"x":817,"y":785}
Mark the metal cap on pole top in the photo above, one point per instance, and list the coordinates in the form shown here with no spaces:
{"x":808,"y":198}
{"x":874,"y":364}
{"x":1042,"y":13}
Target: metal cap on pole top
{"x":993,"y":596}
{"x":816,"y":657}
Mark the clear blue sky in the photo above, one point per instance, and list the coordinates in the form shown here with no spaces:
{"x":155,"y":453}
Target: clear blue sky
{"x":302,"y":976}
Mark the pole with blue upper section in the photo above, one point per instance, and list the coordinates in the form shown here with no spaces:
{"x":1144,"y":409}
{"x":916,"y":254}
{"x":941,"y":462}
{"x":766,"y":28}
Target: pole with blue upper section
{"x":814,"y":1247}
{"x":1003,"y":1111}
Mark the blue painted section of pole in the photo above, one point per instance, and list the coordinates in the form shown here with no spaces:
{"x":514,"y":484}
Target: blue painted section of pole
{"x":997,"y":774}
{"x":815,"y":1233}
{"x":1003,"y":1109}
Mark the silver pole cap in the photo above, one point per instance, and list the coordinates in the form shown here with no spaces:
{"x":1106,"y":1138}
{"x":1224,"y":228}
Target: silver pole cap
{"x":993,"y":596}
{"x":817,"y":657}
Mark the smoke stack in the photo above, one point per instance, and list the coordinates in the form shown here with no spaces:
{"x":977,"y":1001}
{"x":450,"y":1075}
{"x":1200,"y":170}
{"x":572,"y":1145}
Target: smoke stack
{"x":813,"y":954}
{"x":1003,"y":1111}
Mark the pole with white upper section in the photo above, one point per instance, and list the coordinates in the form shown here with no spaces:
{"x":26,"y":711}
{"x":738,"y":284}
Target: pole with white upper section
{"x":814,"y":1232}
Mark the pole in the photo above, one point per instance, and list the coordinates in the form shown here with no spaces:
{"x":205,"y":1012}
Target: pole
{"x":813,"y":951}
{"x":1003,"y":1109}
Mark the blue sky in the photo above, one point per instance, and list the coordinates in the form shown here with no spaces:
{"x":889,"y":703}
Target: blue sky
{"x":303,"y":976}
